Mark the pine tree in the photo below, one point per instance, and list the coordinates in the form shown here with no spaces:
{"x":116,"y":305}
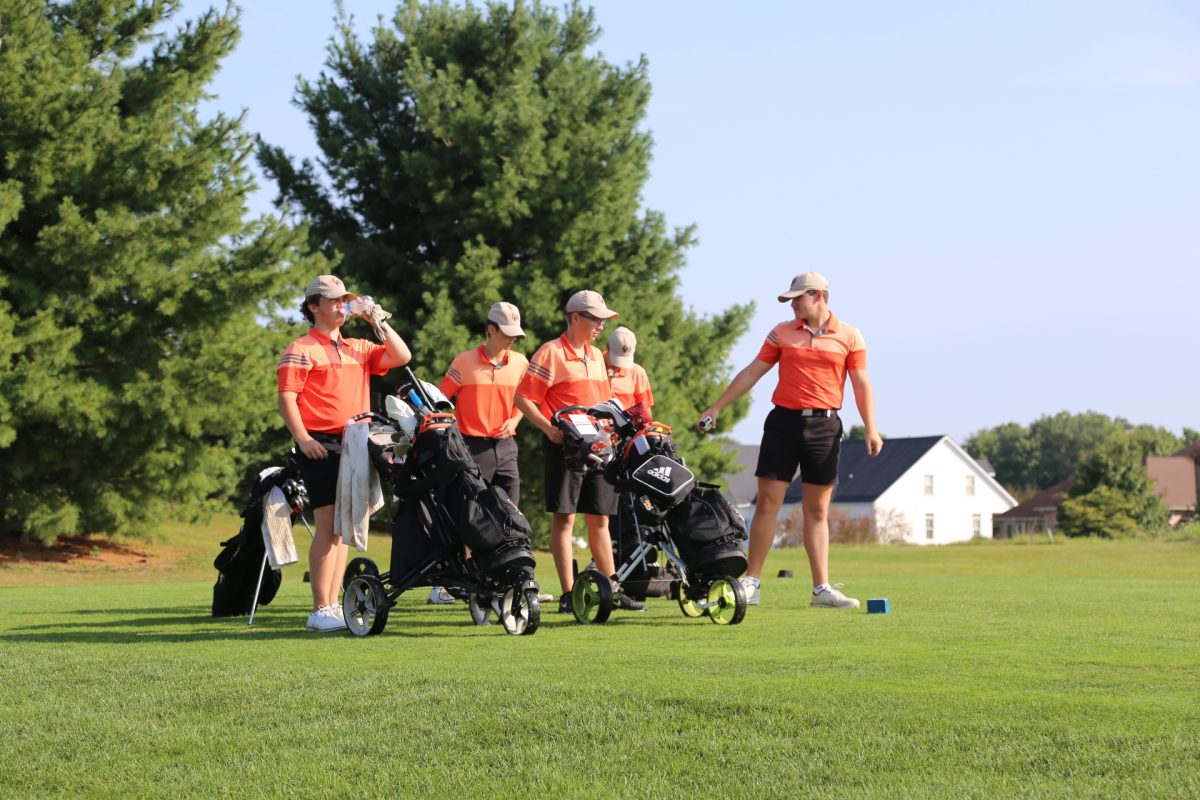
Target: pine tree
{"x":137,"y":368}
{"x":478,"y":154}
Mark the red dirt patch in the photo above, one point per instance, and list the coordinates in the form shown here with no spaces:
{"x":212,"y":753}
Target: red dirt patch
{"x":75,"y":550}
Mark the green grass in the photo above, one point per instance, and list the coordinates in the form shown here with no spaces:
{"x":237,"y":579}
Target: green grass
{"x":1003,"y":671}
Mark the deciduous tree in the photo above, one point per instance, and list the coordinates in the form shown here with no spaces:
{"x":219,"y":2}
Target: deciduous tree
{"x":1114,"y":495}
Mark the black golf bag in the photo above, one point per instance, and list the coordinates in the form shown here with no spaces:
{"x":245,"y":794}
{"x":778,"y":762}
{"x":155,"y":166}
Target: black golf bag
{"x":479,"y":516}
{"x":652,"y":479}
{"x":239,"y":563}
{"x":709,"y":532}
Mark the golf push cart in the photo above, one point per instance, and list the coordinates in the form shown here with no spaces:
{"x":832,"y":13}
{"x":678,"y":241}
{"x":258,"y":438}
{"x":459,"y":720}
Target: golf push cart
{"x":451,"y":528}
{"x":662,"y":510}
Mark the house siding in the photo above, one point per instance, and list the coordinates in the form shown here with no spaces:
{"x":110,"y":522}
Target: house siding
{"x":952,"y":508}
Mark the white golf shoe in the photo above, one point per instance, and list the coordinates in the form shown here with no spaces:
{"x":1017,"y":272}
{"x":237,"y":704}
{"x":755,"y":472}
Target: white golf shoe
{"x":751,"y":588}
{"x":327,"y":619}
{"x":830,"y":597}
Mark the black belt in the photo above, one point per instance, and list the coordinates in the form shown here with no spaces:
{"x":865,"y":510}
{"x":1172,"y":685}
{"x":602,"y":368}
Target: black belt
{"x":331,"y":441}
{"x":813,"y":412}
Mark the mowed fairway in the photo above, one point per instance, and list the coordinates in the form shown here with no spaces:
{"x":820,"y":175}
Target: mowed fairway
{"x":1004,"y":670}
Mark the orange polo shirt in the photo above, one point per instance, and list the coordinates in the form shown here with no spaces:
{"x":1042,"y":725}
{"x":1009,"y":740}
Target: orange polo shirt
{"x":485,"y":391}
{"x":558,"y":378}
{"x":331,"y":379}
{"x":813,"y":364}
{"x":631,"y":386}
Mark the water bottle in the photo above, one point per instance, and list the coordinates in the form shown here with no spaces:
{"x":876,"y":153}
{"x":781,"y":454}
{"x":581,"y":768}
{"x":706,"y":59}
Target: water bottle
{"x":359,"y":305}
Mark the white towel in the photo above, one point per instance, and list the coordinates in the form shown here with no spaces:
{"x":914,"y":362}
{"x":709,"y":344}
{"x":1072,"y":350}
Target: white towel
{"x":277,"y":529}
{"x":358,"y":492}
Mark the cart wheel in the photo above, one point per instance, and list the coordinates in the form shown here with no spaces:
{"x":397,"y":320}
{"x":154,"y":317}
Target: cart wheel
{"x":356,"y":567}
{"x":687,"y":604}
{"x":481,"y":609}
{"x":520,"y":611}
{"x":727,"y":601}
{"x":365,"y":606}
{"x":591,"y":598}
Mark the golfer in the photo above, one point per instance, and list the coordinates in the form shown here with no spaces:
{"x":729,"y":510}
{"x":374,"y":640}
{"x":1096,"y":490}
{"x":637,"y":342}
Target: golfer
{"x":629,"y":381}
{"x":484,"y":379}
{"x":815,"y":351}
{"x":565,"y":372}
{"x":323,"y":380}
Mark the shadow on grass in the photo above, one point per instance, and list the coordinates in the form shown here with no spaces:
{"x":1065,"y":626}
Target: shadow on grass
{"x":194,"y":623}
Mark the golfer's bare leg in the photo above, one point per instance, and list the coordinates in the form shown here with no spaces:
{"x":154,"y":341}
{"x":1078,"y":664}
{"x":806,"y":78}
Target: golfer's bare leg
{"x":600,"y":543}
{"x":561,"y":528}
{"x":816,"y":530}
{"x":322,"y":557}
{"x":340,"y":553}
{"x":763,"y":526}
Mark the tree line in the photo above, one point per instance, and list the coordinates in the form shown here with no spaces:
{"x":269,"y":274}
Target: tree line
{"x":1112,"y":496}
{"x":468,"y":155}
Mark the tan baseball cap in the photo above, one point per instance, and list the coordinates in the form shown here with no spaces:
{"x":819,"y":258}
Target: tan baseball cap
{"x":507,"y":318}
{"x":328,"y":286}
{"x":588,"y":302}
{"x":621,"y":345}
{"x":802,"y":283}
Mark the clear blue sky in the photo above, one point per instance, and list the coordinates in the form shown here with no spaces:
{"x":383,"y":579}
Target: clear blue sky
{"x":1004,"y":197}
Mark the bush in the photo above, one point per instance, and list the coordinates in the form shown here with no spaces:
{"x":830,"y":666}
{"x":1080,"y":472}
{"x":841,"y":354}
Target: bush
{"x":844,"y":528}
{"x":1189,"y":532}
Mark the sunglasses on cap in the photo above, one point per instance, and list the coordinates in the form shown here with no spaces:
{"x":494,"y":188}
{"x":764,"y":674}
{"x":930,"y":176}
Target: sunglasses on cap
{"x":814,"y":293}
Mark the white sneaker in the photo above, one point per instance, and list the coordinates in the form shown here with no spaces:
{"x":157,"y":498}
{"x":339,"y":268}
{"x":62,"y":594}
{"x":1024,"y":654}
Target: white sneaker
{"x":438,"y":596}
{"x":326,"y":619}
{"x":753,"y":594}
{"x":545,"y":598}
{"x":830,"y":597}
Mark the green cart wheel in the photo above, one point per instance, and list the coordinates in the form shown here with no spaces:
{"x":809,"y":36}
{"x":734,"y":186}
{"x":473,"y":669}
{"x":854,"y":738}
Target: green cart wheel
{"x":726,"y":601}
{"x":592,"y":598}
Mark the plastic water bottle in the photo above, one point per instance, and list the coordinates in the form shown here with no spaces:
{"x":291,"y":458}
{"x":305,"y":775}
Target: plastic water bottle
{"x":359,"y":305}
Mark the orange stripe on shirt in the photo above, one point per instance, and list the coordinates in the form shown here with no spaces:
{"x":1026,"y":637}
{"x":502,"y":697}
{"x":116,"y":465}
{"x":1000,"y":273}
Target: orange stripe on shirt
{"x":331,"y":382}
{"x":558,"y":377}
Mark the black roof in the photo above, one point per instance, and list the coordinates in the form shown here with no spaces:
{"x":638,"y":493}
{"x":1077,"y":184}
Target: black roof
{"x":861,"y":479}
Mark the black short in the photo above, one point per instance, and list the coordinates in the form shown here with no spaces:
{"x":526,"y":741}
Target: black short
{"x":573,"y":492}
{"x":320,"y":478}
{"x":497,"y":460}
{"x":791,"y":440}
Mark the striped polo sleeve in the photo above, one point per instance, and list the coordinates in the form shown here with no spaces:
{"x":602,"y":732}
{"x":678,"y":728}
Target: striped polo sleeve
{"x":769,"y":352}
{"x":292,"y":370}
{"x":539,"y":375}
{"x":452,"y":381}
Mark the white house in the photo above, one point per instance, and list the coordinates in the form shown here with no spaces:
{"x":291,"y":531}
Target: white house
{"x":920,"y":490}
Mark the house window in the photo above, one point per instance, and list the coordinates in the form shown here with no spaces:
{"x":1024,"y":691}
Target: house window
{"x":977,"y":525}
{"x":928,"y":484}
{"x":970,"y":486}
{"x":929,"y":526}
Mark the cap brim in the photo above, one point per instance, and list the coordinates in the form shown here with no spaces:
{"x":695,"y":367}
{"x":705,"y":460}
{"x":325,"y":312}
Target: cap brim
{"x":510,"y":330}
{"x":611,"y":315}
{"x":783,"y":298}
{"x":620,"y":362}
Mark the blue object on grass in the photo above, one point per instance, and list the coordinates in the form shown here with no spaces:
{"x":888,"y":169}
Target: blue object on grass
{"x":879,"y":605}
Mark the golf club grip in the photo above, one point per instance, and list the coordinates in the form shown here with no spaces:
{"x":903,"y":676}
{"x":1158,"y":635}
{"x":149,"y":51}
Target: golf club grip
{"x":418,"y":388}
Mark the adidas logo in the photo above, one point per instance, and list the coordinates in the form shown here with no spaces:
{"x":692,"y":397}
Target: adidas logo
{"x":661,"y":473}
